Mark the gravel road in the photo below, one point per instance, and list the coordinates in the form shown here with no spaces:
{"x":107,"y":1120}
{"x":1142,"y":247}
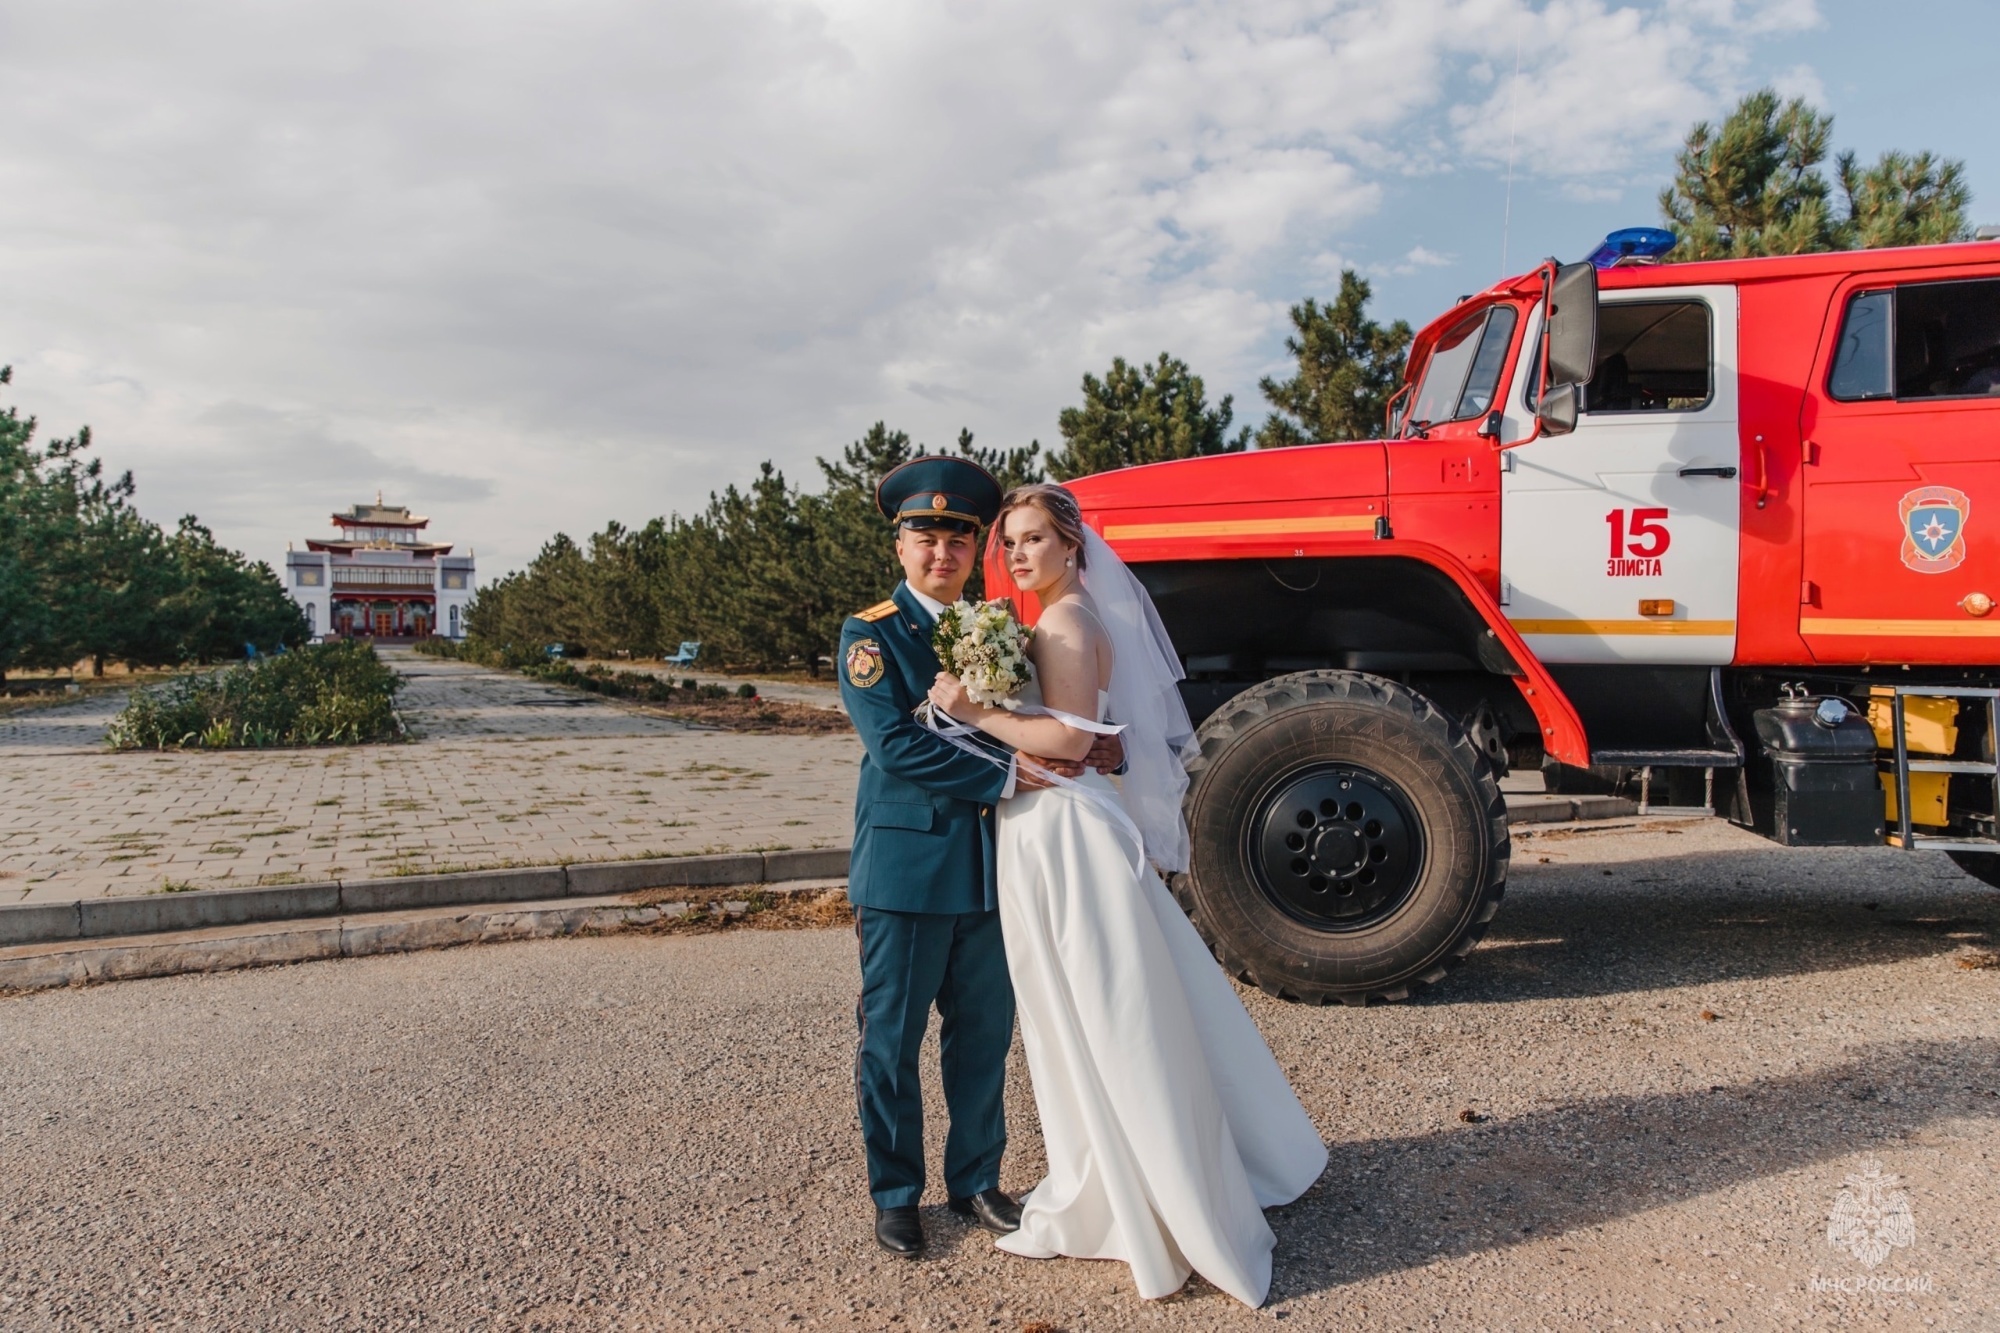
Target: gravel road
{"x":659,"y":1132}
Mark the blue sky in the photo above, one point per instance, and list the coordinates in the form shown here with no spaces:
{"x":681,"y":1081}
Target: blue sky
{"x":1920,"y":80}
{"x":529,"y":265}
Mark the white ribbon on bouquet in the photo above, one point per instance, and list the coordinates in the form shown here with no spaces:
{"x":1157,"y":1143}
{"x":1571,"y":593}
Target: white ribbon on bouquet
{"x":956,"y":732}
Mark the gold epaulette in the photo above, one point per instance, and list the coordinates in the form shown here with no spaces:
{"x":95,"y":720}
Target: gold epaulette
{"x":879,"y":611}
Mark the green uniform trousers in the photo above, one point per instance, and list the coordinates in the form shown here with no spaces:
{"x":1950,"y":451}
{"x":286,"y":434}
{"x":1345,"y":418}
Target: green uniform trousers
{"x":910,"y":961}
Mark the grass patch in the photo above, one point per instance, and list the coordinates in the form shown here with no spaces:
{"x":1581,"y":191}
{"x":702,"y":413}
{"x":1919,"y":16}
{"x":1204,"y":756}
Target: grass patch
{"x":737,"y":708}
{"x":461,"y":867}
{"x":708,"y":909}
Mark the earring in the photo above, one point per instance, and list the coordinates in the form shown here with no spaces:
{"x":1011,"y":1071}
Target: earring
{"x":1068,"y":561}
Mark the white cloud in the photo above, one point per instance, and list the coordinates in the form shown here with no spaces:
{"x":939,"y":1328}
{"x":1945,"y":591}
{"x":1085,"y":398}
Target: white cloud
{"x":1600,"y":86}
{"x":1800,"y":81}
{"x":530,"y":265}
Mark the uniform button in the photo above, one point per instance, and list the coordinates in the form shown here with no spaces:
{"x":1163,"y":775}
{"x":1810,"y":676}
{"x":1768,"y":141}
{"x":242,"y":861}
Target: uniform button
{"x":984,"y":811}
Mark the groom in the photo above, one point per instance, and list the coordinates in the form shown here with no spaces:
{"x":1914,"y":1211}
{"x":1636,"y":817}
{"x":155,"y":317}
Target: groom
{"x":921,"y":881}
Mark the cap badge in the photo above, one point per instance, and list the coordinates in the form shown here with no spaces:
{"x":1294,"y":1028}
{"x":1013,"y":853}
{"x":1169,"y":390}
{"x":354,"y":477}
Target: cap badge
{"x":939,"y":502}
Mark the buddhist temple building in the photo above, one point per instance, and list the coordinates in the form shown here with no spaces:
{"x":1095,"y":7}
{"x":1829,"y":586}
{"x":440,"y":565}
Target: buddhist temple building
{"x":380,"y":578}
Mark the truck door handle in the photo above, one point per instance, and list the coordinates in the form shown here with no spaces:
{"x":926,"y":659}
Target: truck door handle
{"x":1724,"y":472}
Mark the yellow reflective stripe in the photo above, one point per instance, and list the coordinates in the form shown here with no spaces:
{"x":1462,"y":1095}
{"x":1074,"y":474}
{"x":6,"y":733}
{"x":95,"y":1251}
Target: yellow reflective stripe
{"x":1243,"y":527}
{"x":1904,"y":629}
{"x":1610,"y":627}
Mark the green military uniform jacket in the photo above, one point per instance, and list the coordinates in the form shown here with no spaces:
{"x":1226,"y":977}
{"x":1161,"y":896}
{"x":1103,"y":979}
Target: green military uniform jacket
{"x":923,"y":812}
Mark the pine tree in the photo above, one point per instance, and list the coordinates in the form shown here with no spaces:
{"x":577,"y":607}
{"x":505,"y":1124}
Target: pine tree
{"x":27,"y":592}
{"x":774,"y":605}
{"x":84,"y":575}
{"x":1903,"y":199}
{"x":1752,"y":186}
{"x":853,"y":545}
{"x":1349,"y":367}
{"x":1020,"y":466}
{"x":110,"y":564}
{"x":222,"y":601}
{"x":554,"y":600}
{"x":1142,"y":414}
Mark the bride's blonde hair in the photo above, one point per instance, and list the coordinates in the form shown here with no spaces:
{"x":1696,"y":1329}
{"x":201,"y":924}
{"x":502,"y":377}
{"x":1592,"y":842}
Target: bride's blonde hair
{"x":1055,"y":502}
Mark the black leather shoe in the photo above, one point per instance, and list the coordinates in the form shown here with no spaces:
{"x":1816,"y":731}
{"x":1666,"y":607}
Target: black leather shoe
{"x":990,"y":1209}
{"x":901,"y":1231}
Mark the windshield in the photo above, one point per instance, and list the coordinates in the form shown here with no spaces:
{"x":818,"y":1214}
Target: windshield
{"x":1464,"y":369}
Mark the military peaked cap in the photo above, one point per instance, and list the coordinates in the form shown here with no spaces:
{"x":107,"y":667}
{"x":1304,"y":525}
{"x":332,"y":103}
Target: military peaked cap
{"x":938,"y":492}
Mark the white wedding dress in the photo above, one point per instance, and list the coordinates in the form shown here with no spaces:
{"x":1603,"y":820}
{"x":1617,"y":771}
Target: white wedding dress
{"x":1169,"y":1125}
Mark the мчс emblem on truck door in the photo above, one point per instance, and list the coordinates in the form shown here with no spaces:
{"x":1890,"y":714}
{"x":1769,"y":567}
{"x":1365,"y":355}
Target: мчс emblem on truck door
{"x":1934,"y":528}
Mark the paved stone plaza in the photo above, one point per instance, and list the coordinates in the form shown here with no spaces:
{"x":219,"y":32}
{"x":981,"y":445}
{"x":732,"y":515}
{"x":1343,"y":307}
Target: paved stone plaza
{"x":504,"y":771}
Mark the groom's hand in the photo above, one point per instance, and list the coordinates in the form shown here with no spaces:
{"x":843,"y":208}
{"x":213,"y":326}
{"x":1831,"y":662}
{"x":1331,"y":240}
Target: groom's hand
{"x":1031,"y":772}
{"x":1107,"y":754}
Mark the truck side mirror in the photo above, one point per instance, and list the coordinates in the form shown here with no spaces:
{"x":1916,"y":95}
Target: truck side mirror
{"x":1572,"y":323}
{"x":1557,"y":410}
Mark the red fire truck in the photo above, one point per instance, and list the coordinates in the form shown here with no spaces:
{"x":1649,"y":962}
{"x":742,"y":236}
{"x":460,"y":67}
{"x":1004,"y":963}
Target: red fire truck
{"x":1735,"y":521}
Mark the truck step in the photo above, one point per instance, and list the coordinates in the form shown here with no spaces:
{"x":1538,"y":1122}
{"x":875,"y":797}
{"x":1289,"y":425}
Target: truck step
{"x":1899,"y":765}
{"x":1667,"y":758}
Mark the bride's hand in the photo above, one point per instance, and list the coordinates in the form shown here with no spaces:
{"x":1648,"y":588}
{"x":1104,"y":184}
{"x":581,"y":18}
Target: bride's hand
{"x":950,"y":698}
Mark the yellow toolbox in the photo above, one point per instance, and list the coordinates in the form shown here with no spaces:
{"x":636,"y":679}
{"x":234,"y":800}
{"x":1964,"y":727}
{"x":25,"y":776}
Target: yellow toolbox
{"x":1927,"y":798}
{"x":1930,"y":725}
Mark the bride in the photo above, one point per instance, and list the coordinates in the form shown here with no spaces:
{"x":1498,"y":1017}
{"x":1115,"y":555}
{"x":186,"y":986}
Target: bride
{"x":1168,"y":1124}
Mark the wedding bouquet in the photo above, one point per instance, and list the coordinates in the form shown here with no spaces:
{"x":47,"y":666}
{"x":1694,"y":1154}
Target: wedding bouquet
{"x":987,"y":649}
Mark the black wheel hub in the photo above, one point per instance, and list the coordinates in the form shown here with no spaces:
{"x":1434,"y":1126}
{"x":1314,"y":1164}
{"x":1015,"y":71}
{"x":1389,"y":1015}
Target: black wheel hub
{"x":1336,"y":848}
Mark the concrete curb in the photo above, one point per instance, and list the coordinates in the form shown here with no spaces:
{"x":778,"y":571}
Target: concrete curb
{"x":83,"y":962}
{"x":207,"y":909}
{"x":1570,"y":809}
{"x":204,"y":909}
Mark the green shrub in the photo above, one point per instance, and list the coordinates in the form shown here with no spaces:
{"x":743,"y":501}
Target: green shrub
{"x":324,"y":694}
{"x":486,"y":654}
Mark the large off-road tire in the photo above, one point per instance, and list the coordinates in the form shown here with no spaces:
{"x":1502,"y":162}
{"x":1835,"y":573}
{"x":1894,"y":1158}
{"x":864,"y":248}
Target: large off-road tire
{"x":1982,"y":866}
{"x":1349,"y":842}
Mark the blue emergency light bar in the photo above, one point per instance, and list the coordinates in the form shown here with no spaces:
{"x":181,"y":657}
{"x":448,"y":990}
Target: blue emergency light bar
{"x":1633,"y":245}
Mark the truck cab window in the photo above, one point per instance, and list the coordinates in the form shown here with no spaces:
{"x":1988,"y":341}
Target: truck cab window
{"x":1652,"y":356}
{"x":1464,"y":369}
{"x":1947,"y":340}
{"x":1866,"y":351}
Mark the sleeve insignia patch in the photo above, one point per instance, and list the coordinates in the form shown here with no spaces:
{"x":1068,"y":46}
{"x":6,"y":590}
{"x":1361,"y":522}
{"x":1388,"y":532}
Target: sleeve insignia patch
{"x":864,"y":663}
{"x":879,"y":611}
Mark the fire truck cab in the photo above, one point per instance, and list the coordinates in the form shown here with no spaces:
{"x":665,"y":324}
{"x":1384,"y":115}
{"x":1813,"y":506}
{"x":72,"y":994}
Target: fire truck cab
{"x":1717,"y":521}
